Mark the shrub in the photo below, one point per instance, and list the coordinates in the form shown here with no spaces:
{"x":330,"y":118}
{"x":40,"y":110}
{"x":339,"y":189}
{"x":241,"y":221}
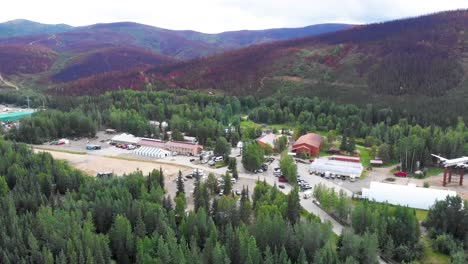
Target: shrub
{"x":444,"y":244}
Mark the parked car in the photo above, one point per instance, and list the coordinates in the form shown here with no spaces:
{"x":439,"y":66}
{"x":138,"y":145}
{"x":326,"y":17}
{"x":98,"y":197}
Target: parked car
{"x":238,"y":192}
{"x":264,"y":167}
{"x":93,"y":147}
{"x":211,"y":162}
{"x":131,"y":146}
{"x":189,"y":176}
{"x":281,"y":186}
{"x":282,"y":179}
{"x":192,"y":160}
{"x":258,"y":171}
{"x":400,"y":174}
{"x":219,"y":158}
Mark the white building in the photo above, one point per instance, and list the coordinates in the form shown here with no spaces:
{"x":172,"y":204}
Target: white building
{"x":152,"y":152}
{"x":405,"y":195}
{"x":125,"y":139}
{"x":336,"y":167}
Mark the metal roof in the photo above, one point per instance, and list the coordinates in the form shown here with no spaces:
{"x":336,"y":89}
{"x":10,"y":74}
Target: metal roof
{"x":310,"y":139}
{"x":405,"y":195}
{"x":337,"y":167}
{"x":15,"y":116}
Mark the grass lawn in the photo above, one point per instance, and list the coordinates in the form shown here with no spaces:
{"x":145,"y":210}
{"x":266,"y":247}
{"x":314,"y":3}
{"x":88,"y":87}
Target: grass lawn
{"x":63,"y":150}
{"x":421,"y":214}
{"x":430,"y":256}
{"x":247,"y":123}
{"x":434,"y":171}
{"x":390,"y":164}
{"x":220,"y":165}
{"x":365,"y":157}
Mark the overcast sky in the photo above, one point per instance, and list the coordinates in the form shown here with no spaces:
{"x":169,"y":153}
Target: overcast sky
{"x":213,"y":16}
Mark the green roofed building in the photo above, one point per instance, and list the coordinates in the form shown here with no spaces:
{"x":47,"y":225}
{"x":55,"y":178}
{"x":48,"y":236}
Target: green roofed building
{"x":12,"y":117}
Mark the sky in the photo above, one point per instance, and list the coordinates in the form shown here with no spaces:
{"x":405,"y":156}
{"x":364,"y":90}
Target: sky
{"x":212,"y":16}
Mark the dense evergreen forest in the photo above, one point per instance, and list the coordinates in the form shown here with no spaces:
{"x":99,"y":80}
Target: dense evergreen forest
{"x":51,"y":213}
{"x":390,"y":134}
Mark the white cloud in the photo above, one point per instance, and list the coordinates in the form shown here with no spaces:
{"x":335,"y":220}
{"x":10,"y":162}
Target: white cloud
{"x":221,"y":15}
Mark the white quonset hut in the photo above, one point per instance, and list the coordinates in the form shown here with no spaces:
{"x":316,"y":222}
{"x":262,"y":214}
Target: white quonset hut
{"x":152,"y":152}
{"x":405,"y":195}
{"x":342,"y":168}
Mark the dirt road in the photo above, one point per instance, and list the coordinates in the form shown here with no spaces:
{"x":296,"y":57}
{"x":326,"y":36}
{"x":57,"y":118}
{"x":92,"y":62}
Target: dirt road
{"x":92,"y":164}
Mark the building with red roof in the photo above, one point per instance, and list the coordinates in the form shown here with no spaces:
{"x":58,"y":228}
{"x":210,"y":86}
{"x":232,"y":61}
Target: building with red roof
{"x":309,"y":143}
{"x":183,"y":148}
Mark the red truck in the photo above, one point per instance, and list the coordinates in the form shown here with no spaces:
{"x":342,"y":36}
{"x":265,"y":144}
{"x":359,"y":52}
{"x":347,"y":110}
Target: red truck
{"x":282,"y":179}
{"x":400,"y":174}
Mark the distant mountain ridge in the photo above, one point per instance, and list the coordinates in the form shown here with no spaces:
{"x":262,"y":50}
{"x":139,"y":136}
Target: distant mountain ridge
{"x":415,"y":65}
{"x":23,"y":27}
{"x":81,"y":52}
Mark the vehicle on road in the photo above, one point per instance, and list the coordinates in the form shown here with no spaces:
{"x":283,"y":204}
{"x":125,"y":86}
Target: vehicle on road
{"x":93,"y":147}
{"x":199,"y":172}
{"x":104,"y":175}
{"x":192,"y":160}
{"x":281,"y":186}
{"x":238,"y":192}
{"x":189,"y":176}
{"x":400,"y":174}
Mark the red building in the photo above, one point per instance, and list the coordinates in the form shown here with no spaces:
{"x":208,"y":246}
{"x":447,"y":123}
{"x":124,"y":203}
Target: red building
{"x":308,"y":143}
{"x":346,"y":158}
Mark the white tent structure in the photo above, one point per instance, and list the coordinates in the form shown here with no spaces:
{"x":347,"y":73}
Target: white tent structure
{"x":343,"y":168}
{"x":152,"y":152}
{"x":405,"y":195}
{"x":125,"y":139}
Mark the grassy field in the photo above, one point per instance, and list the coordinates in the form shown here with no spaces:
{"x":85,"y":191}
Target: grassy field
{"x":421,"y":214}
{"x":434,"y":172}
{"x":247,"y":123}
{"x":365,"y":157}
{"x":63,"y":150}
{"x":430,"y":256}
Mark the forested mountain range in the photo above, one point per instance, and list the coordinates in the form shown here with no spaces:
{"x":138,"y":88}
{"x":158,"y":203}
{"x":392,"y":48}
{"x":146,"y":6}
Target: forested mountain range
{"x":77,"y":52}
{"x":417,"y":64}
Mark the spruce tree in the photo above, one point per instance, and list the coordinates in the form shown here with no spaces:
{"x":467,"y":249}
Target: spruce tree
{"x":180,"y":184}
